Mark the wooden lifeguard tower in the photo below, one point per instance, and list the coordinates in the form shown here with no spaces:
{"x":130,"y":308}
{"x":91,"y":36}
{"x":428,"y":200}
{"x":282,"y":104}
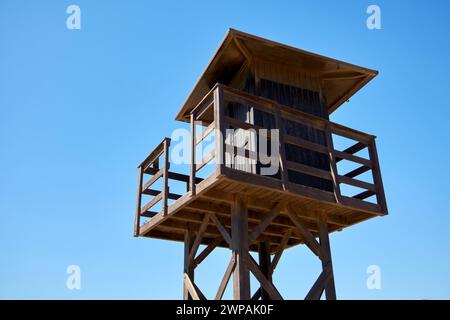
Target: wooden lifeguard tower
{"x":251,"y":84}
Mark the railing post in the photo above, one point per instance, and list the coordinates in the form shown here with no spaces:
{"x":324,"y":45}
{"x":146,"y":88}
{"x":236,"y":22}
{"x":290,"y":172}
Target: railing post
{"x":193,"y":147}
{"x":165,"y":187}
{"x":282,"y":147}
{"x":219,"y":134}
{"x":137,"y":217}
{"x":376,"y":174}
{"x":333,"y":167}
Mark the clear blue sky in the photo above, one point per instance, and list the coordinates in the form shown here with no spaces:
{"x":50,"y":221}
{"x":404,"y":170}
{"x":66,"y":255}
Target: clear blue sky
{"x":79,"y":109}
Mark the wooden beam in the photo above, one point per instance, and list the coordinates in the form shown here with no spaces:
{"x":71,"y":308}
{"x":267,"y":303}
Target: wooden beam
{"x":153,"y":179}
{"x":351,"y":157}
{"x":309,"y":239}
{"x":153,"y":192}
{"x":357,"y":171}
{"x":219,"y":129}
{"x":280,"y":250}
{"x":226,"y":278}
{"x":188,"y":268}
{"x":152,"y":202}
{"x":198,"y":238}
{"x":317,"y":289}
{"x":330,"y":290}
{"x":165,"y":184}
{"x":239,"y":232}
{"x":137,"y":216}
{"x":333,"y":167}
{"x":257,"y":294}
{"x":256,"y":232}
{"x":205,"y":253}
{"x":226,"y":236}
{"x":205,"y":133}
{"x":264,"y":264}
{"x":193,"y":147}
{"x":194,"y":291}
{"x":381,"y":197}
{"x":363,"y":195}
{"x":265,"y":283}
{"x":357,"y":183}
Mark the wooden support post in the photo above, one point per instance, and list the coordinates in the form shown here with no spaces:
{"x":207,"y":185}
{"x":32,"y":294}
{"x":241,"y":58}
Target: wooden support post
{"x":188,"y":266}
{"x":264,"y":265}
{"x":376,"y":174}
{"x":165,"y":188}
{"x":325,"y":255}
{"x":282,"y":147}
{"x":193,"y":147}
{"x":240,"y":248}
{"x":137,"y":217}
{"x":219,"y":130}
{"x":333,"y":167}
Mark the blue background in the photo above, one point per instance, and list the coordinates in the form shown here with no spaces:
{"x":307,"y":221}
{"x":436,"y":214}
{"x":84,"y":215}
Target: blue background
{"x":79,"y":109}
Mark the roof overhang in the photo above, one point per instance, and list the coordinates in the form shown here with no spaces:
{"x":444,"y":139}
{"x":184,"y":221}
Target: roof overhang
{"x":341,"y":79}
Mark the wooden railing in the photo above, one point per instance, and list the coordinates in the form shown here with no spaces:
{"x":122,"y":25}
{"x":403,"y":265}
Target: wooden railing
{"x":210,"y":112}
{"x":151,"y":167}
{"x":283,"y":113}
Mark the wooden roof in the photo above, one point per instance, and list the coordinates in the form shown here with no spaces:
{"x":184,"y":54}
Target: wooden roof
{"x":341,"y":79}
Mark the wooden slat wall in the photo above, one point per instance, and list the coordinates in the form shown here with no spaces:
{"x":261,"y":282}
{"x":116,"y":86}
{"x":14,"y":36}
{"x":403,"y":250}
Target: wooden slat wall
{"x":299,"y":89}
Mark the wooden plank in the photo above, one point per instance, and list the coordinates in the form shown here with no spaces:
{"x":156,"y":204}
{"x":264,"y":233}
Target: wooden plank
{"x":264,"y":265}
{"x":308,"y":170}
{"x":357,"y":171}
{"x":205,"y":253}
{"x":363,"y":195}
{"x":257,"y":294}
{"x":153,"y":179}
{"x":165,"y":176}
{"x":219,"y":129}
{"x":222,"y":230}
{"x":305,"y":144}
{"x":205,"y":133}
{"x":256,"y":232}
{"x":174,"y":175}
{"x":205,"y":108}
{"x":356,"y":183}
{"x":226,"y":278}
{"x":362,"y":205}
{"x":188,"y":268}
{"x":196,"y":295}
{"x":198,"y":238}
{"x":319,"y":285}
{"x":350,"y":133}
{"x":239,"y":232}
{"x":351,"y":157}
{"x":265,"y":283}
{"x":210,"y":156}
{"x":152,"y":202}
{"x":204,"y":99}
{"x":156,"y":153}
{"x":137,"y":215}
{"x":333,"y":167}
{"x":153,"y":192}
{"x":355,"y":148}
{"x":376,"y":172}
{"x":327,"y":265}
{"x":193,"y":147}
{"x":309,"y":239}
{"x":149,"y":214}
{"x":281,"y":146}
{"x":280,"y":250}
